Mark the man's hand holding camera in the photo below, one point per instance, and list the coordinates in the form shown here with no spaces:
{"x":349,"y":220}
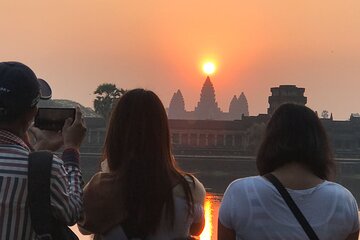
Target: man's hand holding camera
{"x":74,"y":132}
{"x":71,"y":136}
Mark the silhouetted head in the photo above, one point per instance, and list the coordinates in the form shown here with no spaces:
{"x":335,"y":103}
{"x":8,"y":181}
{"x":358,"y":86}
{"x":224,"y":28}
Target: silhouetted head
{"x":138,"y":135}
{"x":20,"y":90}
{"x":295,"y":134}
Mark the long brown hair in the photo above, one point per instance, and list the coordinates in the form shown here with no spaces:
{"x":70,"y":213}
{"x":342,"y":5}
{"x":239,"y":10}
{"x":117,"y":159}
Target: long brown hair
{"x":138,"y":150}
{"x":295,"y":134}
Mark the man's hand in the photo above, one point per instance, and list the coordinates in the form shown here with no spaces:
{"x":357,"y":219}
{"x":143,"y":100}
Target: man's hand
{"x":74,"y":133}
{"x":45,"y":140}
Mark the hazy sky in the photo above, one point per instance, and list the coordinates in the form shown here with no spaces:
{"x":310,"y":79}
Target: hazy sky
{"x":161,"y":45}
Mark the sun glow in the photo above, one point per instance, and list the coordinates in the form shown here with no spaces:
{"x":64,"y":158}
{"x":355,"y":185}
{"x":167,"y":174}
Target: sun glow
{"x":209,"y":68}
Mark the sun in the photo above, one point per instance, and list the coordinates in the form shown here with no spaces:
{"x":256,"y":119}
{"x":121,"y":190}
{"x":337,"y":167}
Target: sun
{"x":209,"y":68}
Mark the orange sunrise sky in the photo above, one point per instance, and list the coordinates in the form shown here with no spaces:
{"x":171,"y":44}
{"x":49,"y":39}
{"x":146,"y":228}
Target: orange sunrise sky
{"x":160,"y":45}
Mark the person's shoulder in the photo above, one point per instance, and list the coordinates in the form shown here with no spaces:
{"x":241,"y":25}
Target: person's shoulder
{"x":240,"y":183}
{"x":103,"y":204}
{"x":101,"y":179}
{"x":101,"y":184}
{"x":199,"y":192}
{"x":197,"y":189}
{"x":338,"y":189}
{"x":194,"y":182}
{"x":103,"y":175}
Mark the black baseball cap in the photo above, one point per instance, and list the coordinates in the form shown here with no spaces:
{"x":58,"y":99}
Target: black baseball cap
{"x":20,"y":88}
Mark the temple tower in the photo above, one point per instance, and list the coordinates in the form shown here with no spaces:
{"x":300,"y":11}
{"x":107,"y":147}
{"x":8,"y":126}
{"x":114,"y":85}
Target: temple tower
{"x":207,"y":107}
{"x":233,"y":105}
{"x":177,"y":106}
{"x":238,"y":107}
{"x":286,"y":94}
{"x":243,"y":105}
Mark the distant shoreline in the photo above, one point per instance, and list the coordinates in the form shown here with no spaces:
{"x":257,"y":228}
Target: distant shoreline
{"x":180,"y":156}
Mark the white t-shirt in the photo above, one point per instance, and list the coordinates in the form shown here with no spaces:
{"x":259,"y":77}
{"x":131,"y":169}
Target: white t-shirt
{"x":254,"y":209}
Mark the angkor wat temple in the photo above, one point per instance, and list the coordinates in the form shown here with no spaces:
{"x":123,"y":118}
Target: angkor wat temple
{"x":207,"y":108}
{"x":226,"y":137}
{"x":242,"y":137}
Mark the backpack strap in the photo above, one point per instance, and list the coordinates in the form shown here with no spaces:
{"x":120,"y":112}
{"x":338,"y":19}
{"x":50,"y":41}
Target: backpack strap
{"x":293,"y":207}
{"x":39,"y":172}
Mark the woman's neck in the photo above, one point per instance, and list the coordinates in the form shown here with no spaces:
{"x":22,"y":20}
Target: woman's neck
{"x":296,"y":176}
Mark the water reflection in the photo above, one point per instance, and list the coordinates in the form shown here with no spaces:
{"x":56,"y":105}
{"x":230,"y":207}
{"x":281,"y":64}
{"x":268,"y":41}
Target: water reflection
{"x":208,"y":229}
{"x":212,"y":204}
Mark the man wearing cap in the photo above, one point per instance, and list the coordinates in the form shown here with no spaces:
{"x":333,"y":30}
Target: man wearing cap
{"x":20,"y":91}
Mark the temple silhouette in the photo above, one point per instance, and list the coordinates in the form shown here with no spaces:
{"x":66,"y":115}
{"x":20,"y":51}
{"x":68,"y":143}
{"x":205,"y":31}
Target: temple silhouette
{"x":207,"y":108}
{"x":239,"y":137}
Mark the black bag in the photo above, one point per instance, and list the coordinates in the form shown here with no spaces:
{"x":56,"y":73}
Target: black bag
{"x":44,"y":224}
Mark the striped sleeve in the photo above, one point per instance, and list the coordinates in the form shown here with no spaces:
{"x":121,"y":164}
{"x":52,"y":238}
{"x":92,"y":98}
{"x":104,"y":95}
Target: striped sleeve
{"x":66,"y":187}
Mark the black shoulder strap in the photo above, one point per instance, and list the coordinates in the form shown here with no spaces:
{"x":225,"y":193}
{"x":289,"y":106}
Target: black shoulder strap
{"x":39,"y":172}
{"x":293,"y":207}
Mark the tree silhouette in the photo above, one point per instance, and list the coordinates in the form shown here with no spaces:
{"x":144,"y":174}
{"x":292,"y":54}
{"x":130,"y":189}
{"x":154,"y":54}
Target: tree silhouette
{"x":106,"y":96}
{"x":325,"y":114}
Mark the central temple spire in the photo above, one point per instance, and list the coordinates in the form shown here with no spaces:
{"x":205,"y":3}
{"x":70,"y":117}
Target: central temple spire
{"x":207,"y":95}
{"x":207,"y":107}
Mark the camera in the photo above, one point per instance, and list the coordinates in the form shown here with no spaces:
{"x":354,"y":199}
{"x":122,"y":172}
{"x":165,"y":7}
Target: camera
{"x":53,"y":119}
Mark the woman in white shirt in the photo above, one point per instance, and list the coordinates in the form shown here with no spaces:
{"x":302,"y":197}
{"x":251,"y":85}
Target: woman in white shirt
{"x":297,"y":152}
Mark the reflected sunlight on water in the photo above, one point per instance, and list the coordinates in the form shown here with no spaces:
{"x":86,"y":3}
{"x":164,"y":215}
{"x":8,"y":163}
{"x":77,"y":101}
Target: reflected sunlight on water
{"x":212,"y":204}
{"x":208,"y":230}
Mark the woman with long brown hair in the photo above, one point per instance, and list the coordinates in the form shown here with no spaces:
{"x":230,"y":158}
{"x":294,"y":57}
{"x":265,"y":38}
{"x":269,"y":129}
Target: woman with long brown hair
{"x":140,"y":188}
{"x":293,"y":198}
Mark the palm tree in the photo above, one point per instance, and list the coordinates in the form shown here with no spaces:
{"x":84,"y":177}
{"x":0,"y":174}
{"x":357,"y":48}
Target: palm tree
{"x":106,"y":96}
